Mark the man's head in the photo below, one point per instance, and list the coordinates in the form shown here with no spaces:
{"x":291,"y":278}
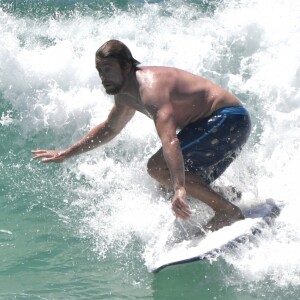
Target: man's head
{"x":118,"y":50}
{"x":114,"y":61}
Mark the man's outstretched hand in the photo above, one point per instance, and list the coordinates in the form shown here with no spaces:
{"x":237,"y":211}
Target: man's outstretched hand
{"x":46,"y":156}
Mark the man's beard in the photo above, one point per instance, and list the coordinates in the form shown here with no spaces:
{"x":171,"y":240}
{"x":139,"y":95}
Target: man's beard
{"x":113,"y":90}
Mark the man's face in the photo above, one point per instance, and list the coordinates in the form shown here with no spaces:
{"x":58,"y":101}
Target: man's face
{"x":111,"y":75}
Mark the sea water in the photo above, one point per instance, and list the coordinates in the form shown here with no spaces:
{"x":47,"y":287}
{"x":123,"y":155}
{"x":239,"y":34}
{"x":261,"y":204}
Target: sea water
{"x":90,"y":228}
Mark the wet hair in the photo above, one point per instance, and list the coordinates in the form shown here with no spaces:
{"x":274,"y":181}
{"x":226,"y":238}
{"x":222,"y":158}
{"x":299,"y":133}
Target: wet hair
{"x":118,"y":50}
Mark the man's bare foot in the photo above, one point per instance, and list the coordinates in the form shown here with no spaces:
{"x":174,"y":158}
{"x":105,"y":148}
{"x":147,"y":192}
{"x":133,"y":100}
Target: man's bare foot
{"x":223,"y":219}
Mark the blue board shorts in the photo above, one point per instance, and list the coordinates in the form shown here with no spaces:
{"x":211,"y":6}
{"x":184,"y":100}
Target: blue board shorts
{"x":210,"y":145}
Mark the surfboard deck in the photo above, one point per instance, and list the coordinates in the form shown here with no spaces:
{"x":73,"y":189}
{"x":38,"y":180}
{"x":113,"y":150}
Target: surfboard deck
{"x":256,"y":218}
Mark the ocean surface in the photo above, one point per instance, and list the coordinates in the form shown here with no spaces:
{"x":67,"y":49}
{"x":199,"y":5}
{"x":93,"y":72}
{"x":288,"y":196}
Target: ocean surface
{"x":89,"y":228}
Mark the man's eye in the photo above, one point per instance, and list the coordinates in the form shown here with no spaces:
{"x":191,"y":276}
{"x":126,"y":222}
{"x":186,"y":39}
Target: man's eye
{"x":104,"y":71}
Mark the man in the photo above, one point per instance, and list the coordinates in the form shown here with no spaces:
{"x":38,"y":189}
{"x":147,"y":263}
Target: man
{"x":214,"y":126}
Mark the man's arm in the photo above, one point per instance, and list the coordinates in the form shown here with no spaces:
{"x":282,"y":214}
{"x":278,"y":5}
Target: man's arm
{"x":166,"y":128}
{"x":118,"y":117}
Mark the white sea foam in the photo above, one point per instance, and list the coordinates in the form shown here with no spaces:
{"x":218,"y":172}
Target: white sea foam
{"x":48,"y":76}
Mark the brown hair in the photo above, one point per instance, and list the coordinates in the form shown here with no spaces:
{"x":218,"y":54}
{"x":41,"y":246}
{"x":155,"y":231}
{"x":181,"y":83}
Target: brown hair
{"x":118,"y":50}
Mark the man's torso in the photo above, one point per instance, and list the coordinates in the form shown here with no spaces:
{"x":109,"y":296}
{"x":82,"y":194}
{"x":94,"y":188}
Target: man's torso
{"x":192,"y":97}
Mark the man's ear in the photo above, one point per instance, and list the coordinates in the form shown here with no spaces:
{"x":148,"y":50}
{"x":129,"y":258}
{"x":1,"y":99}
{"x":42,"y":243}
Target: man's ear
{"x":128,"y":67}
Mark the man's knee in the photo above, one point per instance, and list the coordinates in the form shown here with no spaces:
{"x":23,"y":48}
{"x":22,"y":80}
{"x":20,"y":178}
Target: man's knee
{"x":150,"y":166}
{"x":156,"y":167}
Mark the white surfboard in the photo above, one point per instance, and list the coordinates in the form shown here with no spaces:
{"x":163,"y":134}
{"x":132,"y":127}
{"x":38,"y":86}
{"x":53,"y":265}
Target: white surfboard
{"x":205,"y":247}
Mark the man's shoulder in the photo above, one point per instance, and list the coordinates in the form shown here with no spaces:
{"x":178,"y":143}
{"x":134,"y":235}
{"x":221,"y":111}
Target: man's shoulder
{"x":168,"y":73}
{"x":157,"y":74}
{"x":158,"y":68}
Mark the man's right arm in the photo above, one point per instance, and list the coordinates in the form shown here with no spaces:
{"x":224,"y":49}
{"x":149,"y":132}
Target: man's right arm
{"x":119,"y":116}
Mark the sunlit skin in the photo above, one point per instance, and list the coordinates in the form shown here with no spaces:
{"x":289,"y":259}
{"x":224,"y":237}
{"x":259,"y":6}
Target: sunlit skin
{"x":172,"y":98}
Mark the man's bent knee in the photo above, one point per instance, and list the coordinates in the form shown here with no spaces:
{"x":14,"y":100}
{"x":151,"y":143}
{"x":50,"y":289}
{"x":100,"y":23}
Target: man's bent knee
{"x":151,"y":167}
{"x":157,"y":168}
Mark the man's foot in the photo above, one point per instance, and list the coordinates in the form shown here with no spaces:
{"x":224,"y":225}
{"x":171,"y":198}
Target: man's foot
{"x":223,"y":219}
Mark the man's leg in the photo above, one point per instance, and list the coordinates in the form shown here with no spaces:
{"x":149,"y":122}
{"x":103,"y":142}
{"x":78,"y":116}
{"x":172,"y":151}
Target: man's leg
{"x":225,"y":212}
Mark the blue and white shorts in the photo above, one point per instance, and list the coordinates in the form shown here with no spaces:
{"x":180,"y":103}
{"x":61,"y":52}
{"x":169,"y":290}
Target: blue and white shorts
{"x":210,"y":145}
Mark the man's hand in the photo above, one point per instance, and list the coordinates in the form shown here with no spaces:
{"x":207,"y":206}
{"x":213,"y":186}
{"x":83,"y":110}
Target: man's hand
{"x":56,"y":156}
{"x":179,"y":206}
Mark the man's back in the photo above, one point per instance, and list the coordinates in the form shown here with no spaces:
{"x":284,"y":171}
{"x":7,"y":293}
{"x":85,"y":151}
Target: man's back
{"x":192,"y":97}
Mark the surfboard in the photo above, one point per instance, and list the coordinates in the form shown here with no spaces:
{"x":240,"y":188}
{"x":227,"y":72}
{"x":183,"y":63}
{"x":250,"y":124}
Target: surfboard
{"x":256,"y":218}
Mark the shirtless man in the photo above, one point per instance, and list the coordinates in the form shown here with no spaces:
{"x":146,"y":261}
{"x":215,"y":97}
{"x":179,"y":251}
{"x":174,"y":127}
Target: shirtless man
{"x":213,"y":127}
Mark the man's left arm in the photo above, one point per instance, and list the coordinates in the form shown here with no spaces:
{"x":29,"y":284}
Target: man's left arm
{"x":166,"y":128}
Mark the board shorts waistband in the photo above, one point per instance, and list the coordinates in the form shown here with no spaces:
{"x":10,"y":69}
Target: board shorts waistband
{"x":234,"y":110}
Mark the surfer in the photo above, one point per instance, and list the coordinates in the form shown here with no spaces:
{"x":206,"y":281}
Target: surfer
{"x":202,"y":128}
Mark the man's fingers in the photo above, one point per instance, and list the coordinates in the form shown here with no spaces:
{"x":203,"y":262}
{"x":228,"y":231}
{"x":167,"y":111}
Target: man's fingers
{"x":183,"y":213}
{"x":182,"y":206}
{"x":38,"y":151}
{"x":47,"y":156}
{"x":185,"y":207}
{"x":37,"y":156}
{"x":41,"y":156}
